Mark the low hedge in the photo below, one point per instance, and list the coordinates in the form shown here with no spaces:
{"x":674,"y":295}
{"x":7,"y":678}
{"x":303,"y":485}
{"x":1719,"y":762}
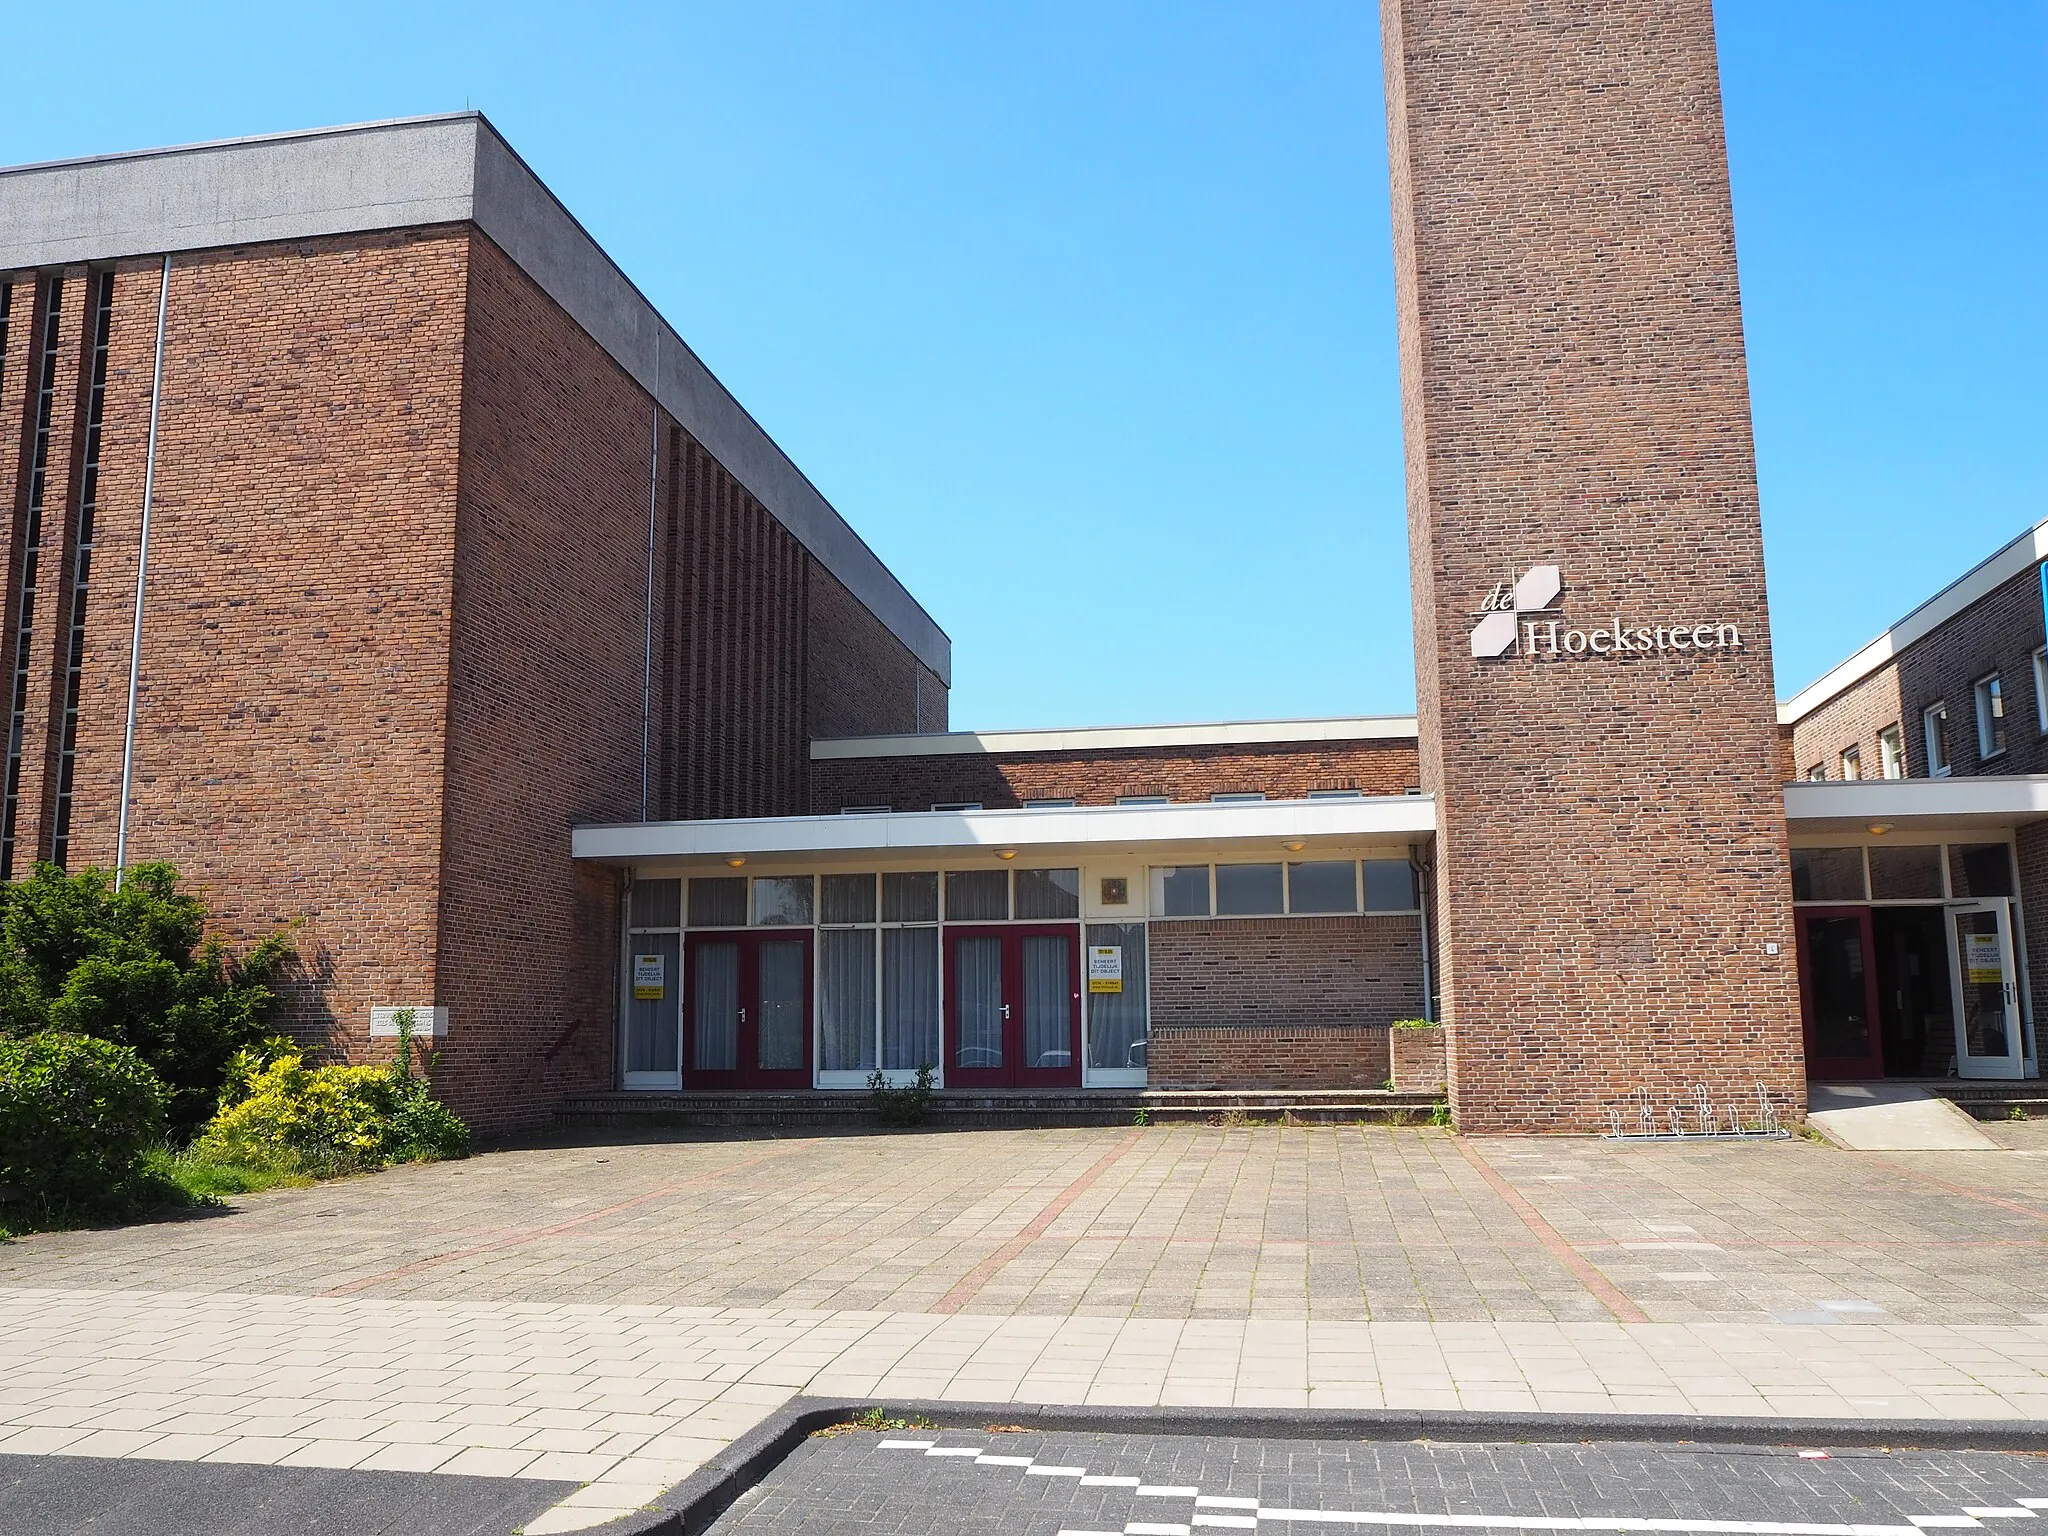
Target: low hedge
{"x":332,"y":1120}
{"x":77,"y":1116}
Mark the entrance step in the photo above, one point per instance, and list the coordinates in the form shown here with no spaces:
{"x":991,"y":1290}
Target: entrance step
{"x":827,"y":1109}
{"x":1891,"y":1117}
{"x":1996,"y":1100}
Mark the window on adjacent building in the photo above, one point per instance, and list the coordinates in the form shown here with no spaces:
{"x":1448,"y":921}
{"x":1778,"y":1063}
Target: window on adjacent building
{"x":1058,"y":804}
{"x":1335,"y":794}
{"x":1238,"y":797}
{"x":1144,"y":800}
{"x":864,"y":810}
{"x":1852,"y":763}
{"x":958,"y":805}
{"x":1891,"y":752}
{"x":2041,"y":690}
{"x":1934,"y":726}
{"x":1817,"y":771}
{"x":1990,"y":717}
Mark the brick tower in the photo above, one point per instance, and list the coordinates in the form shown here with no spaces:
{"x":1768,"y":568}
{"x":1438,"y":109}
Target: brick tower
{"x":1593,"y":662}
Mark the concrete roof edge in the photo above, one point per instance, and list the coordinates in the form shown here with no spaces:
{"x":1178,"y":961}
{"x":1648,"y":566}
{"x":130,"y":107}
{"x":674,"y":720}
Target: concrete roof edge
{"x":1993,"y":571}
{"x":1113,"y":737}
{"x":410,"y":172}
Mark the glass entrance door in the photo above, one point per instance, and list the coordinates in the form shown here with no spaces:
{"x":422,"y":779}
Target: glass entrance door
{"x":1838,"y":993}
{"x":1990,"y":1037}
{"x":1013,"y":1007}
{"x":747,"y":1015}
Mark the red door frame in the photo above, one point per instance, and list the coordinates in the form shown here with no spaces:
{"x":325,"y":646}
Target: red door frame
{"x":1014,"y":1073}
{"x":1871,"y":1063}
{"x":748,"y":1073}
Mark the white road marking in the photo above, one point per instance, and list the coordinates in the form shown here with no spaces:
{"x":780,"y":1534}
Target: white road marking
{"x":986,"y":1460}
{"x":954,"y":1450}
{"x":1154,"y":1528}
{"x":1092,"y":1481}
{"x":1165,"y":1491}
{"x":1943,"y":1522}
{"x":1999,"y":1512}
{"x":1215,"y":1501}
{"x":1235,"y":1522}
{"x":1590,"y":1523}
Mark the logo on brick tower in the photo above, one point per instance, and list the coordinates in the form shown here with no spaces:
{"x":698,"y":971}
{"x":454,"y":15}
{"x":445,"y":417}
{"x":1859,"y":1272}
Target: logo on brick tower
{"x":1512,"y":622}
{"x":1500,"y":620}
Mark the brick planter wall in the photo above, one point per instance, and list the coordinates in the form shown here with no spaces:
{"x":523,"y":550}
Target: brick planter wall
{"x":1279,"y":1056}
{"x":1417,"y":1056}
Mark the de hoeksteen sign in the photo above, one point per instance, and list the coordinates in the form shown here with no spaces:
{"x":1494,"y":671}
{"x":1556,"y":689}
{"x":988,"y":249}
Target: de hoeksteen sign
{"x":1514,"y":621}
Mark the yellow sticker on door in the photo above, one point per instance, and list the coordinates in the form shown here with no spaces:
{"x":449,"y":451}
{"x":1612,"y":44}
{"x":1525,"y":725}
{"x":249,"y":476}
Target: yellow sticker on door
{"x":1982,"y":964}
{"x":650,"y":978}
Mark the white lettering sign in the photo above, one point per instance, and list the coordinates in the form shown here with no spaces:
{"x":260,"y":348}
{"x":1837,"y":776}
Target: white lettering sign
{"x":1506,"y":628}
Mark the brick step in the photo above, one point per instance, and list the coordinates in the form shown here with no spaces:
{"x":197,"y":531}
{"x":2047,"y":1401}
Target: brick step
{"x":969,"y":1107}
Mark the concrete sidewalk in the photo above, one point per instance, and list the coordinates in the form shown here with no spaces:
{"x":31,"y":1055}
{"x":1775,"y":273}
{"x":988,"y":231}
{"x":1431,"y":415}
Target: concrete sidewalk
{"x":596,"y":1314}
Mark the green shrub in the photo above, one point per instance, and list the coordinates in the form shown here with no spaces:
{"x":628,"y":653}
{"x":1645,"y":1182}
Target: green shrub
{"x":1415,"y":1024}
{"x":77,"y":1116}
{"x":900,"y":1106}
{"x":280,"y":1115}
{"x":134,"y":967}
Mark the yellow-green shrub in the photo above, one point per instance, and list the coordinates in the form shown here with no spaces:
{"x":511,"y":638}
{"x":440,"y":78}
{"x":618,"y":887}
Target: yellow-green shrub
{"x":331,"y":1120}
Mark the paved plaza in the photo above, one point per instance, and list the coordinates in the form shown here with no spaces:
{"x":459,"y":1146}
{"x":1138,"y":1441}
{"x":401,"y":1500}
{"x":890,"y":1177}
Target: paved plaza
{"x":609,"y":1315}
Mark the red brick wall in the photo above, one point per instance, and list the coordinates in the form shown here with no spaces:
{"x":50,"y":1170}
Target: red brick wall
{"x":1998,"y":633}
{"x":294,"y":664}
{"x":1285,"y":971}
{"x":1297,"y":1058}
{"x":1612,"y":852}
{"x":1282,"y":770}
{"x":863,"y":680}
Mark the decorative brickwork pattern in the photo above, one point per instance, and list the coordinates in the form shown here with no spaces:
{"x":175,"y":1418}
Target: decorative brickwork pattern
{"x":1281,"y":771}
{"x":1612,"y":854}
{"x":1303,"y":1058}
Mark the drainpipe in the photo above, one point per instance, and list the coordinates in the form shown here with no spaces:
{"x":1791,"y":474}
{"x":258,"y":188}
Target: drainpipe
{"x":1422,"y":896}
{"x":156,"y":390}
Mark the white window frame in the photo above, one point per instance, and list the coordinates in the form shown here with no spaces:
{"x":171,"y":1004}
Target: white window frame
{"x":1988,"y":718}
{"x":2041,"y":690}
{"x":1891,"y":752}
{"x":1816,"y":773}
{"x":1851,"y":757}
{"x":1934,"y":736}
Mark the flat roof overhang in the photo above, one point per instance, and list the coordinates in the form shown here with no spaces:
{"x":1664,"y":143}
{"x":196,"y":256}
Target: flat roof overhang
{"x":1916,"y":805}
{"x":1104,"y":831}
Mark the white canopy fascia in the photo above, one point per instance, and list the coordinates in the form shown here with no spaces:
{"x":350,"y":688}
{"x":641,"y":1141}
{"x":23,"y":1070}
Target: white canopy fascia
{"x":1823,"y":805}
{"x":1273,"y":823}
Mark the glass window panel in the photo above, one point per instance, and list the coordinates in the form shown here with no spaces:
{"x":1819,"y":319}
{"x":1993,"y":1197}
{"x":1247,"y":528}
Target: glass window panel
{"x":910,"y":995}
{"x":1905,"y":874}
{"x":911,"y":899}
{"x":847,"y":899}
{"x":782,"y":901}
{"x":1841,"y":1000}
{"x":1247,"y":890}
{"x":1389,"y":885}
{"x":1980,"y":869}
{"x":1181,"y":891}
{"x":1048,"y":893}
{"x":779,"y":1025}
{"x":654,"y":1024}
{"x":1990,"y":717}
{"x":977,"y":895}
{"x":658,"y":904}
{"x":978,"y":1001}
{"x":846,"y":998}
{"x":1048,"y":999}
{"x":1322,"y":885}
{"x":1116,"y":1020}
{"x":1827,"y":874}
{"x":715,"y":1006}
{"x":719,"y":902}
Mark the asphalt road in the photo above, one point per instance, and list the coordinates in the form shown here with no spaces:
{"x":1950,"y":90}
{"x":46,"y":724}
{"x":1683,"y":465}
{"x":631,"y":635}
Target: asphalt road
{"x":1043,"y":1484}
{"x":62,"y":1495}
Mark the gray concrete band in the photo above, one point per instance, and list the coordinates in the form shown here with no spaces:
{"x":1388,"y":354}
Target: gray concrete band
{"x":451,"y":169}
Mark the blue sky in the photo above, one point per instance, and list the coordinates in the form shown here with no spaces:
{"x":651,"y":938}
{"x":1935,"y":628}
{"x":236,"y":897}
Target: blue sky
{"x":1083,"y":315}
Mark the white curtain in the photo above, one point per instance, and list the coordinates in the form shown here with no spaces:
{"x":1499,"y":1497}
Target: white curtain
{"x":1116,"y":1020}
{"x":846,"y":998}
{"x":1048,"y":1000}
{"x":910,"y":998}
{"x":978,"y":1001}
{"x":715,"y":1007}
{"x":652,"y":1023}
{"x":779,"y":1025}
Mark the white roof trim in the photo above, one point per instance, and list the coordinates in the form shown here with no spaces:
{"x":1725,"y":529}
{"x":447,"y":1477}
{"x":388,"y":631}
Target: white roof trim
{"x":409,"y":172}
{"x":2024,"y":552}
{"x":2001,"y":798}
{"x":1101,"y":738}
{"x":1269,"y":821}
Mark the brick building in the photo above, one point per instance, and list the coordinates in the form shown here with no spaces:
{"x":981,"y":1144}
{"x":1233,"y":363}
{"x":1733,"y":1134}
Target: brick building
{"x":379,"y":555}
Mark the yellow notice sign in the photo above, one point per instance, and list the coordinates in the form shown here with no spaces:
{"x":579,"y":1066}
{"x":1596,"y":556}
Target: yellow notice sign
{"x":650,"y":978}
{"x":1983,"y":966}
{"x":1105,"y":968}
